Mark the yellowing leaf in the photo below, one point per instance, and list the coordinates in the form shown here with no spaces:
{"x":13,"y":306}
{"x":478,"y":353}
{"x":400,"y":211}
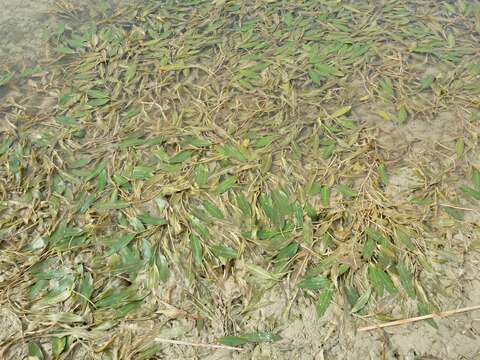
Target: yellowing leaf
{"x":341,"y":111}
{"x":384,"y":115}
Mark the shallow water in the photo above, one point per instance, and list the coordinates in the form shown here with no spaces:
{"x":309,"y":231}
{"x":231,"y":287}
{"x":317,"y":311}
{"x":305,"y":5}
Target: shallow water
{"x":25,"y":26}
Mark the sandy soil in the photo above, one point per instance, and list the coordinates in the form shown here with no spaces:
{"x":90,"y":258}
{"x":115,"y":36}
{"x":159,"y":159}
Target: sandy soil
{"x":24,"y":25}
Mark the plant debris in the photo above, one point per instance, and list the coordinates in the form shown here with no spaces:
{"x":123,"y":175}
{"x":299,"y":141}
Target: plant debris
{"x":169,"y":149}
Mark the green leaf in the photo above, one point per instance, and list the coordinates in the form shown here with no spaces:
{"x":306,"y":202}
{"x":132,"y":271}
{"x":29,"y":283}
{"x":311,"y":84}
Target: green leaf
{"x":79,"y":163}
{"x":113,"y":205}
{"x":382,"y":174}
{"x":5,"y":78}
{"x":60,"y":292}
{"x":130,"y":113}
{"x":97,"y":94}
{"x":260,"y":337}
{"x":325,"y":196}
{"x":197,"y":142}
{"x":122,"y":241}
{"x":368,"y":248}
{"x":375,"y":280}
{"x":387,"y":282}
{"x":88,"y":175}
{"x":35,"y":350}
{"x":66,"y":120}
{"x":375,"y":235}
{"x":352,"y":295}
{"x":212,"y":210}
{"x":404,"y":238}
{"x":328,"y":151}
{"x":459,"y":148}
{"x":34,"y":290}
{"x":362,"y":301}
{"x":148,"y":219}
{"x":223,"y":251}
{"x":454,"y":213}
{"x":196,"y":249}
{"x":147,"y":250}
{"x":406,"y":280}
{"x":323,"y":302}
{"x":232,"y":152}
{"x":244,"y":205}
{"x":402,"y":114}
{"x":298,"y":212}
{"x":263,"y":274}
{"x":149,"y":352}
{"x":386,"y":89}
{"x":346,"y":191}
{"x":314,"y":189}
{"x":420,"y":201}
{"x":341,"y":111}
{"x":142,"y":172}
{"x":65,"y":317}
{"x":58,"y":346}
{"x":423,"y":310}
{"x":181,"y":157}
{"x":5,"y":145}
{"x":98,"y":102}
{"x":315,"y":282}
{"x":130,"y":73}
{"x":470,"y":192}
{"x":114,"y":298}
{"x":287,"y":252}
{"x":85,"y":288}
{"x":226,"y":184}
{"x":263,"y":141}
{"x":315,"y":76}
{"x":200,"y":228}
{"x":308,"y":231}
{"x":64,"y":50}
{"x":426,"y":82}
{"x":102,"y":180}
{"x":201,"y":174}
{"x":162,"y":267}
{"x":476,"y":179}
{"x":281,"y":202}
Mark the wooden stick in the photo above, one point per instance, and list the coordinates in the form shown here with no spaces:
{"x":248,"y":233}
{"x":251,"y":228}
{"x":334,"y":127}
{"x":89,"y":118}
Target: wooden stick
{"x":420,"y":318}
{"x":186,"y":343}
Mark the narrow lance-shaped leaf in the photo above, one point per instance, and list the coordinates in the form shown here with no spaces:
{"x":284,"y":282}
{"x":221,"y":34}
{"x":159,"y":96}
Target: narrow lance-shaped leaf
{"x":232,"y":152}
{"x":35,"y":350}
{"x":476,"y":179}
{"x":162,"y":267}
{"x":223,"y":251}
{"x":226,"y":184}
{"x":244,"y":205}
{"x":406,"y":279}
{"x":213,"y":210}
{"x":362,"y":301}
{"x":130,"y":73}
{"x":201,"y":174}
{"x":423,"y":310}
{"x":196,"y":249}
{"x":325,"y":196}
{"x":86,"y":288}
{"x":315,"y":282}
{"x":58,"y":346}
{"x":260,"y":337}
{"x":346,"y":191}
{"x":324,"y":301}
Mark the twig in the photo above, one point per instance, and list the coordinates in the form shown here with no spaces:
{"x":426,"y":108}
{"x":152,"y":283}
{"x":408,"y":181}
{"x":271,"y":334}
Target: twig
{"x":186,"y":343}
{"x":420,"y":318}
